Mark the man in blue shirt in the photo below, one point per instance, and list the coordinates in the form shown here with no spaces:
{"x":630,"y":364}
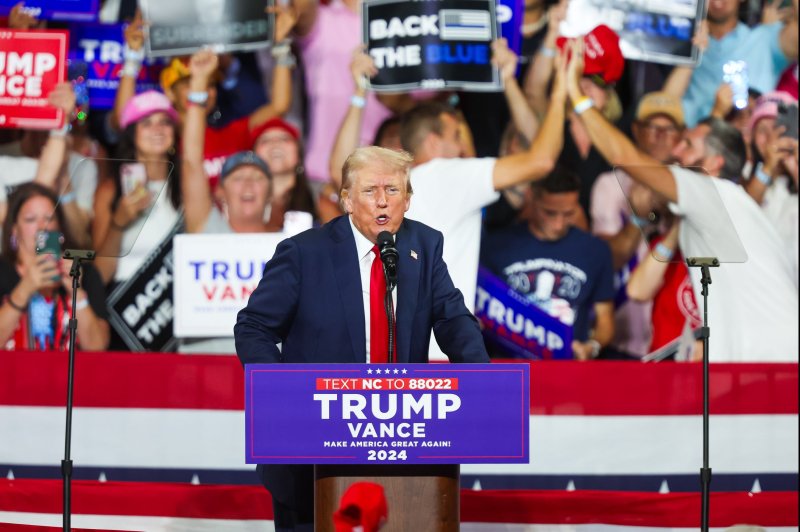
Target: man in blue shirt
{"x":563,"y":270}
{"x":766,"y":48}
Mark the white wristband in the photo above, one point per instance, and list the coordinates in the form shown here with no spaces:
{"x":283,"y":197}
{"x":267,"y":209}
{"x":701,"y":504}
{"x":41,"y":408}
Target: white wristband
{"x":132,"y":56}
{"x":63,"y":131}
{"x":583,"y":104}
{"x":762,"y":176}
{"x":358,"y":101}
{"x":130,"y":69}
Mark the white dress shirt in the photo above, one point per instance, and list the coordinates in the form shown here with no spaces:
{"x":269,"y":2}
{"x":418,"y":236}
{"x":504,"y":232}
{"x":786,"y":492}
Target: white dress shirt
{"x":365,"y":259}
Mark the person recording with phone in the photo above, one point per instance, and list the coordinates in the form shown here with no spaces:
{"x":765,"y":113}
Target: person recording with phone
{"x":35,"y":286}
{"x":137,"y":208}
{"x":772,"y":179}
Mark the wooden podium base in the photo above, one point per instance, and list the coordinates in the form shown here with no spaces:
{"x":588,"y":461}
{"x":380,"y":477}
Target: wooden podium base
{"x":419,"y":497}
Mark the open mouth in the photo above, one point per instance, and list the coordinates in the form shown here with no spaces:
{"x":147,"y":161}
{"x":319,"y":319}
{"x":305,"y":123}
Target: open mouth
{"x":382,"y":219}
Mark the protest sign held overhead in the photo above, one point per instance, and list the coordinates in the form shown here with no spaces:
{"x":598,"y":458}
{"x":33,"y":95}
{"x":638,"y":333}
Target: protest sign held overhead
{"x":100,"y":47}
{"x":32,"y":63}
{"x":181,"y":27}
{"x":431,"y":44}
{"x":658,"y":31}
{"x":84,"y":10}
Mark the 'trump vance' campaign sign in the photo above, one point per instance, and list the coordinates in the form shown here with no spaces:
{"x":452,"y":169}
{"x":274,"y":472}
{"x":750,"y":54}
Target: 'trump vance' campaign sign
{"x":84,"y":10}
{"x":386,"y":413}
{"x":214,"y":277}
{"x":100,"y":47}
{"x":431,"y":44}
{"x":31,"y":65}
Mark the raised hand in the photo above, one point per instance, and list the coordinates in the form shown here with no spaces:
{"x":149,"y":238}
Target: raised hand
{"x":723,"y":101}
{"x":202,"y":65}
{"x":362,"y":67}
{"x":63,"y":97}
{"x":285,"y":20}
{"x":134,"y":32}
{"x":504,"y":59}
{"x":574,"y":71}
{"x":19,"y":19}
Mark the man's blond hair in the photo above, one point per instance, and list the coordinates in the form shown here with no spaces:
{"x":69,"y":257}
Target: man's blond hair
{"x":375,"y":158}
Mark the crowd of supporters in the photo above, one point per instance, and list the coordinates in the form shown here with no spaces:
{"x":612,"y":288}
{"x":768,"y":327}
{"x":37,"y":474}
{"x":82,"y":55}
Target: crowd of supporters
{"x":580,"y":185}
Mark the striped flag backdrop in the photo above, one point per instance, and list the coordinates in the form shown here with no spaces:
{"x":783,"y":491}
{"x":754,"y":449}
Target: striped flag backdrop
{"x":158,"y":445}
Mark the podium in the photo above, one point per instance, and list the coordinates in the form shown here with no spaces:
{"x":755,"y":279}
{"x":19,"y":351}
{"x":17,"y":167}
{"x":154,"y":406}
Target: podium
{"x":406,"y":427}
{"x":422,"y":497}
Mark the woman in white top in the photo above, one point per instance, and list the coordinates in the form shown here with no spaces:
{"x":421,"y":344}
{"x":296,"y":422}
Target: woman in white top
{"x":138,"y":207}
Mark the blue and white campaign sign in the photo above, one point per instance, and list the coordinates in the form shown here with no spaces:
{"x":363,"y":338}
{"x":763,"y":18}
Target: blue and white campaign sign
{"x":658,"y":31}
{"x":387,"y":413}
{"x":435,"y":44}
{"x":100,"y":46}
{"x":516,"y":325}
{"x":83,"y":10}
{"x":214,"y":277}
{"x":509,"y":18}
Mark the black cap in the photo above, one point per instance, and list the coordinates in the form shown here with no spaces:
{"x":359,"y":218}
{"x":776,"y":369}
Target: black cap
{"x":243,"y":158}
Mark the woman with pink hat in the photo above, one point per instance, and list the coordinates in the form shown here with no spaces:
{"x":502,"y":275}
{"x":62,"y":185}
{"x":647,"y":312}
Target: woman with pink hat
{"x":137,"y":207}
{"x":772,"y":179}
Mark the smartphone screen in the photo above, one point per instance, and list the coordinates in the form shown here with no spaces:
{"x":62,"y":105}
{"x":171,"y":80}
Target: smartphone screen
{"x":49,"y":242}
{"x":133,"y":176}
{"x":734,"y":73}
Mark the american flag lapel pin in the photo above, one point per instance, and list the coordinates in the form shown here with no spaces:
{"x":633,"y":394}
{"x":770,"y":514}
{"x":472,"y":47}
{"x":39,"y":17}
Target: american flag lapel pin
{"x":413,"y":254}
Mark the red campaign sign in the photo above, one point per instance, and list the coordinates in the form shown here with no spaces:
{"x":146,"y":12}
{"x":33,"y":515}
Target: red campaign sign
{"x":32,"y":63}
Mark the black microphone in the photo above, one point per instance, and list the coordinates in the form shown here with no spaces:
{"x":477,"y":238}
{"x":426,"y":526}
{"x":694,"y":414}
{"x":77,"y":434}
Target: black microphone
{"x":389,"y":257}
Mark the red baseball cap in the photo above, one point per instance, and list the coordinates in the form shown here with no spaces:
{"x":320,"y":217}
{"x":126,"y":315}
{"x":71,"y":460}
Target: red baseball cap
{"x":363,"y":505}
{"x":278,"y":123}
{"x":602,"y":56}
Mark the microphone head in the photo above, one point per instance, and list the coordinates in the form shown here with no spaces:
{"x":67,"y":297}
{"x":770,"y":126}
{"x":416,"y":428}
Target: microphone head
{"x":385,"y":239}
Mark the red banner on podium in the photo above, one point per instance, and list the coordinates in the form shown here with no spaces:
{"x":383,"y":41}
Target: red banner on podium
{"x":32,"y":63}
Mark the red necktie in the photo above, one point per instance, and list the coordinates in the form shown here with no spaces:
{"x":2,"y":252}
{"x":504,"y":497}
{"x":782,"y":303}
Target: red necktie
{"x":378,"y":324}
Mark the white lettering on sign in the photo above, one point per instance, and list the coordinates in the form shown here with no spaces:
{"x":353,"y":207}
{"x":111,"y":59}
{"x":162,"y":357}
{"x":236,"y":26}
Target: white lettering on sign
{"x":400,"y":56}
{"x":412,"y":26}
{"x":21,"y":73}
{"x":353,"y":405}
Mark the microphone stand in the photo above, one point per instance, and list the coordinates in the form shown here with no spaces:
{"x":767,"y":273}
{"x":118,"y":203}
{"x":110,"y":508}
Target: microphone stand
{"x":77,"y":256}
{"x":704,"y":263}
{"x":388,"y":304}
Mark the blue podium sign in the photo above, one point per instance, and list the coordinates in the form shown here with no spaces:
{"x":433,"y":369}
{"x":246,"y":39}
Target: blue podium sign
{"x":386,"y":413}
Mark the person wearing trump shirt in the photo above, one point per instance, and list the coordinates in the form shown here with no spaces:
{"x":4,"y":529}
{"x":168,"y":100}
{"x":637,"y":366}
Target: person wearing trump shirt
{"x":321,"y":298}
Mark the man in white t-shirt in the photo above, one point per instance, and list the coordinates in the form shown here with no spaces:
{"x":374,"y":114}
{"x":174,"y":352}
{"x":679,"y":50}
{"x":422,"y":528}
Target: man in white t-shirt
{"x":656,"y":130}
{"x":753,"y":305}
{"x":450,"y":191}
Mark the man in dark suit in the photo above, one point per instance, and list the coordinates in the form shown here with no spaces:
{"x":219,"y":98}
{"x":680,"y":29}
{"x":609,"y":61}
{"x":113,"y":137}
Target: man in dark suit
{"x":314,"y":300}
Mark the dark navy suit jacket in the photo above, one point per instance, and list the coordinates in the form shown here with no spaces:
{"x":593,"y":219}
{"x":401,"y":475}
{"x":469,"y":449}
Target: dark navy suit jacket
{"x":310,"y":301}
